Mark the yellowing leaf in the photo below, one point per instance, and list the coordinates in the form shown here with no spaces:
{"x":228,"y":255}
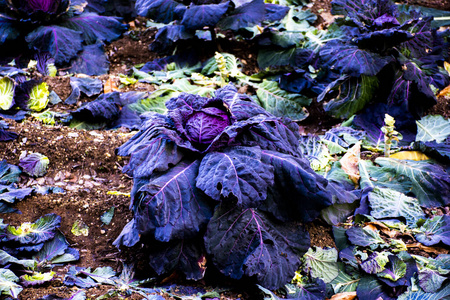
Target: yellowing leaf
{"x":444,"y":92}
{"x":80,"y":228}
{"x":409,"y":155}
{"x":344,"y":296}
{"x":350,"y":161}
{"x":109,"y":86}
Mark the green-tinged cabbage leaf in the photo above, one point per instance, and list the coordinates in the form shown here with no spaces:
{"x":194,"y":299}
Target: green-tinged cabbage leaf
{"x":7,"y":88}
{"x":107,"y":216}
{"x":40,"y":231}
{"x":344,"y":282}
{"x":282,"y":103}
{"x":364,"y":237}
{"x":6,"y":259}
{"x":8,"y":285}
{"x":312,"y":289}
{"x":34,"y":164}
{"x":434,"y":231}
{"x":387,"y":203}
{"x":315,"y":151}
{"x":430,"y":182}
{"x":411,"y":294}
{"x":353,"y":94}
{"x":322,"y":263}
{"x":432,"y":128}
{"x":38,"y":97}
{"x":37,"y":278}
{"x":382,"y":177}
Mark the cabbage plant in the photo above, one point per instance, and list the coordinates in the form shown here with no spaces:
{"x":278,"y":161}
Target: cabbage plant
{"x":221,"y":181}
{"x":58,"y":27}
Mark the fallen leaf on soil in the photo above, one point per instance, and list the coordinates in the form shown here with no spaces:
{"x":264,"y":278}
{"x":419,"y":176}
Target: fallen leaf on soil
{"x":383,"y":228}
{"x":109,"y":86}
{"x":434,"y":250}
{"x":344,"y":296}
{"x":350,"y":161}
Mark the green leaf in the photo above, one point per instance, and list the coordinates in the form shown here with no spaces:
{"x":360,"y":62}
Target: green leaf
{"x":383,"y":177}
{"x":344,"y":283}
{"x":8,"y":285}
{"x":430,"y":182}
{"x":322,"y":263}
{"x":107,"y":216}
{"x":39,"y":97}
{"x":432,"y":128}
{"x":6,"y":93}
{"x":395,"y":271}
{"x":435,"y":230}
{"x":282,"y":103}
{"x":387,"y":203}
{"x":354,"y":93}
{"x":80,"y":228}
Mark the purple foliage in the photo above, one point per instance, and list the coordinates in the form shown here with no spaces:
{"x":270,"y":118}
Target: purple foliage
{"x":212,"y":149}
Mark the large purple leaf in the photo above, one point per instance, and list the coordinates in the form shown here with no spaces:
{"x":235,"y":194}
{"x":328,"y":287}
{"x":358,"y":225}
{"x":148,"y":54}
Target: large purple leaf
{"x":199,"y":16}
{"x":369,"y":288}
{"x":349,"y":59}
{"x":242,"y":107}
{"x":246,"y":242}
{"x":399,"y":270}
{"x":6,"y":136}
{"x":92,"y":61}
{"x":62,"y":43}
{"x":170,"y":206}
{"x":156,"y":155}
{"x":271,"y":133}
{"x":298,"y":193}
{"x":8,"y":30}
{"x":102,"y":109}
{"x":412,"y":90}
{"x":246,"y":15}
{"x":168,"y":35}
{"x":162,"y":11}
{"x":94,"y":27}
{"x":186,"y":256}
{"x":381,"y":40}
{"x":275,"y":12}
{"x":236,"y":173}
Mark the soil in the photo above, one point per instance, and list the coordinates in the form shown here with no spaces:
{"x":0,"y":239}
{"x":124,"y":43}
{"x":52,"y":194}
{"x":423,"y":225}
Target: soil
{"x":84,"y":164}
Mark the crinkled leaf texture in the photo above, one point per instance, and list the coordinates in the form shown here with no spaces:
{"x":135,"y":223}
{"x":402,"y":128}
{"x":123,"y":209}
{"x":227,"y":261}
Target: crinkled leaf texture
{"x":314,"y":289}
{"x":102,"y":109}
{"x":298,"y":193}
{"x":34,"y":164}
{"x":281,"y":103}
{"x":7,"y":88}
{"x":8,"y":29}
{"x":92,"y":61}
{"x":444,"y":293}
{"x":163,"y":11}
{"x":354,"y":93}
{"x":94,"y":27}
{"x":199,"y":16}
{"x":61,"y":42}
{"x":371,"y":289}
{"x":364,"y":237}
{"x":387,"y":203}
{"x":430,"y":182}
{"x":246,"y":15}
{"x":8,"y":285}
{"x":247,"y":242}
{"x":169,"y":206}
{"x":40,"y":231}
{"x":8,"y":173}
{"x":236,"y":173}
{"x":434,"y":231}
{"x":322,"y":263}
{"x":186,"y":256}
{"x":433,"y":128}
{"x":349,"y":59}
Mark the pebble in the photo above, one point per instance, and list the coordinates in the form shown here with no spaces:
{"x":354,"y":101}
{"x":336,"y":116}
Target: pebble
{"x":73,"y":134}
{"x":102,"y":231}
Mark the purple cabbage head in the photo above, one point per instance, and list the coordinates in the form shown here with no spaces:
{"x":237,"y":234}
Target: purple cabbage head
{"x":203,"y":126}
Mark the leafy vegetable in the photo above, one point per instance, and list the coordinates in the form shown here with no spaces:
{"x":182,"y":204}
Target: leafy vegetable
{"x":434,"y":230}
{"x":322,"y":263}
{"x":60,"y":29}
{"x":228,"y":149}
{"x":7,"y":88}
{"x":34,"y":164}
